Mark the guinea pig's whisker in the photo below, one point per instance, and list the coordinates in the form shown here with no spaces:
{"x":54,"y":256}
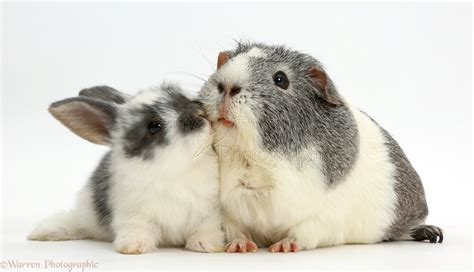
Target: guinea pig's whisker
{"x":207,"y":59}
{"x":187,"y":74}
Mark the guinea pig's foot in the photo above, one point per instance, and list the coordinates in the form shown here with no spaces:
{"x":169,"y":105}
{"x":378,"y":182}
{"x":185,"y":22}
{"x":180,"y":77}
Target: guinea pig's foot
{"x":134,"y":245}
{"x":241,"y":245}
{"x":427,"y":232}
{"x":285,"y":245}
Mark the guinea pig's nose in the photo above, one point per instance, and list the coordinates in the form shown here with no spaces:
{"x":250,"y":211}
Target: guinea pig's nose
{"x":234,"y":90}
{"x":230,"y":89}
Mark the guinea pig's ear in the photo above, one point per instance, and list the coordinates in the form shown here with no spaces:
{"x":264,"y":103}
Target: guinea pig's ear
{"x":327,"y":91}
{"x":89,"y":118}
{"x":106,"y":93}
{"x":222,"y":58}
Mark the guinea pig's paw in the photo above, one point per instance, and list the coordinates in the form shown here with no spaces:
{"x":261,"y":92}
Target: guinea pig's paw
{"x":285,"y":245}
{"x":129,"y":245}
{"x":205,"y":245}
{"x":427,"y":232}
{"x":241,"y":245}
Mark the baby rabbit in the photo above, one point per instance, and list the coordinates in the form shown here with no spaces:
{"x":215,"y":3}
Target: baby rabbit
{"x":157,"y":186}
{"x":300,"y":166}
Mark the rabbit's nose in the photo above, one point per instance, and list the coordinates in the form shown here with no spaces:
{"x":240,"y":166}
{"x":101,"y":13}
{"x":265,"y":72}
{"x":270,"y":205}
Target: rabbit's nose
{"x":201,"y":113}
{"x":190,"y":122}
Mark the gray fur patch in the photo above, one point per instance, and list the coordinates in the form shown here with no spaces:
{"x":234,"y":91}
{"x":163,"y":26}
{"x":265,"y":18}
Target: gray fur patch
{"x":137,"y":139}
{"x":189,"y":111}
{"x":189,"y":122}
{"x":176,"y":100}
{"x":105,"y":93}
{"x":306,"y":122}
{"x":99,"y":182}
{"x":411,"y":208}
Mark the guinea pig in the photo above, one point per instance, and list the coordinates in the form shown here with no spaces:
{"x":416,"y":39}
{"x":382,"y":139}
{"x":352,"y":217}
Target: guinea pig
{"x":300,"y":166}
{"x":158,"y":185}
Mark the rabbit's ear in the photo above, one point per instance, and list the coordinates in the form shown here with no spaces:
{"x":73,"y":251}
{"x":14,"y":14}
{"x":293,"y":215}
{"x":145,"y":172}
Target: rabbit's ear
{"x":89,"y":118}
{"x":106,"y":93}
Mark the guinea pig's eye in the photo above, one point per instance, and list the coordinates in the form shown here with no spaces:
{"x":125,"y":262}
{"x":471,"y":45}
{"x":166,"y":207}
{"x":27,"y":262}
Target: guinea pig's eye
{"x":281,"y":80}
{"x":154,"y":127}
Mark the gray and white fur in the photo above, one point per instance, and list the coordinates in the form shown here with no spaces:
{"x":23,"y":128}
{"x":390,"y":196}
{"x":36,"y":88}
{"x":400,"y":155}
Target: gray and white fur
{"x":300,"y":166}
{"x":157,"y":186}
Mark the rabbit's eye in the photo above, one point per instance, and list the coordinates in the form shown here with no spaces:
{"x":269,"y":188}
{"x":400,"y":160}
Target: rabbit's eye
{"x":154,"y":127}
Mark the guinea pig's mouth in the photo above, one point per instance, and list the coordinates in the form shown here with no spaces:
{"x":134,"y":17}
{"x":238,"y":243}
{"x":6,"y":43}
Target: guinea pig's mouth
{"x":226,"y":123}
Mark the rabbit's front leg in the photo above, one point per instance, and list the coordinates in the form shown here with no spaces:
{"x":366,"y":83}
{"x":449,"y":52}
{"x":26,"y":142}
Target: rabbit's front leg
{"x":208,"y":236}
{"x":135,"y":235}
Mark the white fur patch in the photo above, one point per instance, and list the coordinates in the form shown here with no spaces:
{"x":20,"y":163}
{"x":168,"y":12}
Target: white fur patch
{"x":146,"y":97}
{"x":235,"y":71}
{"x":161,"y":195}
{"x":256,"y":53}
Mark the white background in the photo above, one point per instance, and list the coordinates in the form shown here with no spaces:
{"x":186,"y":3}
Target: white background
{"x":408,"y":65}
